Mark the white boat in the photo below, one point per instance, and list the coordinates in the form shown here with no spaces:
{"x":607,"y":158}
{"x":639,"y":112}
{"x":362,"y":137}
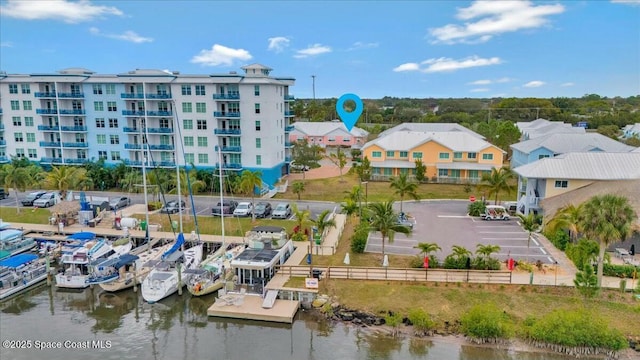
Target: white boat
{"x":131,"y":272}
{"x":210,"y":276}
{"x":20,"y":272}
{"x":78,"y":262}
{"x":167,"y":277}
{"x":13,"y":241}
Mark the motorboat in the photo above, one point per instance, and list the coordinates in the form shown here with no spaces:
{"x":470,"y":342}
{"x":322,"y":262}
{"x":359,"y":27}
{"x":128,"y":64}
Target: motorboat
{"x":210,"y":276}
{"x":20,"y":272}
{"x":13,"y":241}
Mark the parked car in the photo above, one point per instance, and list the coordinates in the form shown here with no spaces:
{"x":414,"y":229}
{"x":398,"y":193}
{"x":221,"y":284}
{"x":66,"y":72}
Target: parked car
{"x":31,"y":197}
{"x":243,"y":209}
{"x":262,"y":210}
{"x":298,"y":167}
{"x":404,"y":220}
{"x":3,"y":194}
{"x":227,"y":208}
{"x":171,"y":207}
{"x":120,"y":202}
{"x":46,"y":200}
{"x":282,"y":211}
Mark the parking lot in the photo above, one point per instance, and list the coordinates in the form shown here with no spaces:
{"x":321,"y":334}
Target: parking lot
{"x":445,"y":222}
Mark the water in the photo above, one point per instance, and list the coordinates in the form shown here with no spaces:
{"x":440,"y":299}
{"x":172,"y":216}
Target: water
{"x":123,"y":326}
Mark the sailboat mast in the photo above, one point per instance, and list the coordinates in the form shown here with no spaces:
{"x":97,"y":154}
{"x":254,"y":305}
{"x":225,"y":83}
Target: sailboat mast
{"x":175,"y":119}
{"x":145,"y":157}
{"x":221,"y":191}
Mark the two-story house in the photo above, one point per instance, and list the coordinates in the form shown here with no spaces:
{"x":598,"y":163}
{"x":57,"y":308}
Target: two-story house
{"x":328,"y":134}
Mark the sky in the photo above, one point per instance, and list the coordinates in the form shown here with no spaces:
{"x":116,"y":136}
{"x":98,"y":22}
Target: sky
{"x":417,"y":49}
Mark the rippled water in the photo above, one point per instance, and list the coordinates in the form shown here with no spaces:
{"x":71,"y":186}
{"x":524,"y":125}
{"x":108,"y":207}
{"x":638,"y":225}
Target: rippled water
{"x":123,"y":326}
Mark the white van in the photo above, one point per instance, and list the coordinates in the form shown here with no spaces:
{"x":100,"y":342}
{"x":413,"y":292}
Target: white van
{"x":495,"y":212}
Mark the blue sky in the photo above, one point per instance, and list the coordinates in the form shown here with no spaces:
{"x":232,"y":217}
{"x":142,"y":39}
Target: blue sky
{"x":373,"y":49}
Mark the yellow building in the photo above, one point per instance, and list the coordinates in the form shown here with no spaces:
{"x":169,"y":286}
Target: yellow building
{"x":449,"y":156}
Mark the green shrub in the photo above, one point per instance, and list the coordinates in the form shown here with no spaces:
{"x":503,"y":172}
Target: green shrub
{"x":154,"y":205}
{"x":560,"y":239}
{"x":576,"y":328}
{"x":393,"y":320}
{"x":422,"y":322}
{"x":359,"y":238}
{"x":486,"y":322}
{"x":417,"y":262}
{"x":454,"y":262}
{"x":585,"y":251}
{"x":485,"y":263}
{"x":525,"y":266}
{"x":476,"y":208}
{"x":621,"y":271}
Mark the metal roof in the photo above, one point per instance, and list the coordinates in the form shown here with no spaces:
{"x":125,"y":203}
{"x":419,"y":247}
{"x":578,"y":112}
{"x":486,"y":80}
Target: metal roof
{"x":564,"y":143}
{"x":409,"y":140}
{"x":430,"y":127}
{"x":585,"y":165}
{"x":326,"y":127}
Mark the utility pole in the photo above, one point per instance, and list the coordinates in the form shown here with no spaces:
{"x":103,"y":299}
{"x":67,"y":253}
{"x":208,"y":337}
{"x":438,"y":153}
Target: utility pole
{"x":313,"y":77}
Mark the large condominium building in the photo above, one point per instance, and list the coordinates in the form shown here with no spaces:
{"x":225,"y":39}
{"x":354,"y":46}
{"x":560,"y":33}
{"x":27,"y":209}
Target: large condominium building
{"x":76,"y":115}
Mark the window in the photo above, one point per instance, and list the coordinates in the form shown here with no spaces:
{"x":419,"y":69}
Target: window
{"x":376,"y":154}
{"x":15,"y":105}
{"x":99,"y":122}
{"x":258,"y":159}
{"x":404,"y":154}
{"x":16,"y":121}
{"x":455,"y":173}
{"x":27,"y":105}
{"x":101,"y":139}
{"x":390,"y":154}
{"x":111,"y":106}
{"x":115,"y":155}
{"x":200,"y":90}
{"x":102,"y":154}
{"x":443,"y":172}
{"x":256,"y":90}
{"x":186,"y":107}
{"x":110,"y":90}
{"x":331,"y":139}
{"x":25,"y":88}
{"x":417,"y":155}
{"x":443,"y":155}
{"x":113,"y":123}
{"x":387,"y":171}
{"x":28,"y":121}
{"x":346,"y":139}
{"x":202,"y":141}
{"x":81,"y":154}
{"x":20,"y":153}
{"x":257,"y":106}
{"x":542,"y":156}
{"x":13,"y":88}
{"x":186,"y":89}
{"x":257,"y":125}
{"x":188,"y":158}
{"x":18,"y":137}
{"x":97,"y":89}
{"x":31,"y":137}
{"x":487,"y":156}
{"x":562,"y":184}
{"x":472,"y":155}
{"x":201,"y":108}
{"x":203,"y":158}
{"x":473,"y":174}
{"x":187,"y":124}
{"x":258,"y":143}
{"x":114,"y":139}
{"x":202,"y":124}
{"x":188,"y":141}
{"x":33,"y":153}
{"x":98,"y":106}
{"x":457,"y":155}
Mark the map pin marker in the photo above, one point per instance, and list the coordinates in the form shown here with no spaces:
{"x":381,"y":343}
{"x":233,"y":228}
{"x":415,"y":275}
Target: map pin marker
{"x":349,"y":119}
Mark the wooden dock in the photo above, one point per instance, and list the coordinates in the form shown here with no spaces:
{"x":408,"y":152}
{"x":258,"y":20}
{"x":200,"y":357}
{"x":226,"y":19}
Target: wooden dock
{"x":249,"y":307}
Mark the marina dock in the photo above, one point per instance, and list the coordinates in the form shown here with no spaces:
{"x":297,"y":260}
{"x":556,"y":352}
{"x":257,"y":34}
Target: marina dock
{"x":249,"y":307}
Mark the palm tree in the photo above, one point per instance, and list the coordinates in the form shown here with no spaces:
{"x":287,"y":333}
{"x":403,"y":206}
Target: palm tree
{"x":530,"y":223}
{"x":567,"y":218}
{"x":355,"y":194}
{"x":64,"y":178}
{"x":497,"y":181}
{"x":323,"y":222}
{"x":460,"y":252}
{"x":298,"y":188}
{"x":130,"y":180}
{"x":16,"y":178}
{"x":249,"y":181}
{"x":403,"y":186}
{"x":302,"y":218}
{"x":607,"y":218}
{"x":428,"y":248}
{"x":340,"y":160}
{"x":385,"y":221}
{"x":487,"y":250}
{"x":189,"y":183}
{"x":350,"y":207}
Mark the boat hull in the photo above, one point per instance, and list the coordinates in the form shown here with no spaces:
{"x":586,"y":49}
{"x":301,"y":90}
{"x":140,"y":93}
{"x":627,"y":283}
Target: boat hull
{"x":21,"y":282}
{"x":71,"y":281}
{"x":205,"y":288}
{"x":159,"y":284}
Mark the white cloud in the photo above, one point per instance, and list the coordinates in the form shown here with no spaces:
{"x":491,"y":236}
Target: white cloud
{"x":479,"y":90}
{"x":359,"y":45}
{"x":312,"y":50}
{"x":447,"y":64}
{"x":6,"y":44}
{"x":494,"y":18}
{"x":534,"y":84}
{"x":129,"y":35}
{"x":480,"y":82}
{"x":67,"y":11}
{"x":220,"y":55}
{"x":278,"y":43}
{"x":407,"y":67}
{"x":504,"y":80}
{"x":627,"y":2}
{"x":567,"y":84}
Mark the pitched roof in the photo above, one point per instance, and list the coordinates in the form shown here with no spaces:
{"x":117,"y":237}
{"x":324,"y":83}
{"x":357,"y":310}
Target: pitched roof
{"x":430,"y":127}
{"x":585,"y":165}
{"x":541,"y":127}
{"x":407,"y":140}
{"x":564,"y":143}
{"x":324,"y":128}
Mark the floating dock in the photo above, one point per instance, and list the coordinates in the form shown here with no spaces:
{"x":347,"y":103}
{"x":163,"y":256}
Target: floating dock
{"x":249,"y":307}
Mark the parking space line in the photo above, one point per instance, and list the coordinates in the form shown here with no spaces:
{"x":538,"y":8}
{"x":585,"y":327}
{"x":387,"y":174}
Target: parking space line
{"x":510,"y":239}
{"x":499,"y":232}
{"x":535,"y":242}
{"x":454,"y":216}
{"x":550,"y":259}
{"x":544,"y":252}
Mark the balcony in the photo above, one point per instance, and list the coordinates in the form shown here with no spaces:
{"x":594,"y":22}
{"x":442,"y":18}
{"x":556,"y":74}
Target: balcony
{"x":50,"y":144}
{"x":288,"y":144}
{"x":132,"y":162}
{"x":131,"y":96}
{"x":288,"y":158}
{"x":71,"y":95}
{"x":161,"y":147}
{"x":75,"y":161}
{"x":74,"y":128}
{"x":3,"y":142}
{"x":159,"y":113}
{"x":289,"y":98}
{"x":227,"y":131}
{"x":236,"y":149}
{"x":221,"y":114}
{"x":228,"y":96}
{"x":158,"y":96}
{"x":160,"y":130}
{"x":164,"y":164}
{"x":48,"y":127}
{"x":72,"y":111}
{"x":50,"y":160}
{"x":133,"y":112}
{"x":132,"y":130}
{"x":133,"y":146}
{"x":51,"y":94}
{"x":233,"y":166}
{"x":4,"y":159}
{"x":75,"y":145}
{"x":289,"y":113}
{"x":47,"y":111}
{"x":289,"y":128}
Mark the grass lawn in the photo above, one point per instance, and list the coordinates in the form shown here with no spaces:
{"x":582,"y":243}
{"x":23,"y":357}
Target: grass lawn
{"x":26,"y":215}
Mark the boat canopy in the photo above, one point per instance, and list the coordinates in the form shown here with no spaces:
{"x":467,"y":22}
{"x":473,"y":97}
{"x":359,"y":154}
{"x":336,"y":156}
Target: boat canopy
{"x":117,"y":263}
{"x":176,"y":246}
{"x":9,"y":234}
{"x":126,"y":259}
{"x":18,"y":260}
{"x":4,"y":225}
{"x":84,"y":235}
